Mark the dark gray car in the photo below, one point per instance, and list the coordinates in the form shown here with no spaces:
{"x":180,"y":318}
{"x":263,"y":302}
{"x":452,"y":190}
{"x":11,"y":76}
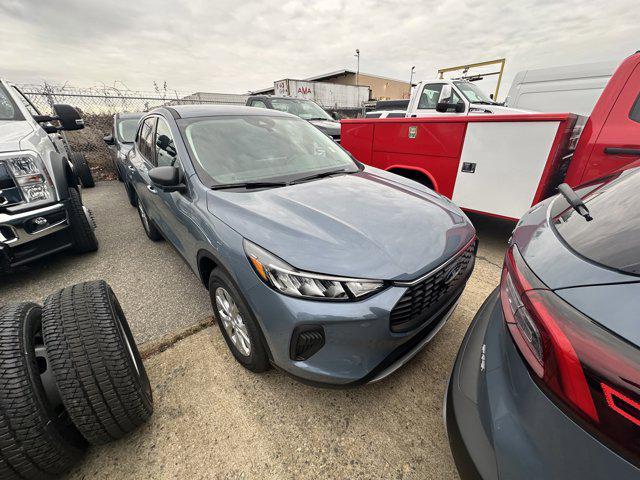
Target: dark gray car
{"x":333,"y":271}
{"x":547,"y":380}
{"x":305,"y":109}
{"x":119,"y":142}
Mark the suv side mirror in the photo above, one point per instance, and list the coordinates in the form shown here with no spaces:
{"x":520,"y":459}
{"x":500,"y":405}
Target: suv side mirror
{"x":109,"y":140}
{"x":68,"y":117}
{"x":445,"y":107}
{"x":335,"y":115}
{"x":167,"y":179}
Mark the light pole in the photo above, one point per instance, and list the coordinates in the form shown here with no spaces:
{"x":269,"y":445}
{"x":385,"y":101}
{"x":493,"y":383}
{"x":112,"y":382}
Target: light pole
{"x":411,"y":80}
{"x":357,"y":55}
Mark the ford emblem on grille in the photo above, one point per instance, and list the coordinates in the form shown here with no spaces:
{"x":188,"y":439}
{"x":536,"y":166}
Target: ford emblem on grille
{"x":452,"y":273}
{"x":40,"y":221}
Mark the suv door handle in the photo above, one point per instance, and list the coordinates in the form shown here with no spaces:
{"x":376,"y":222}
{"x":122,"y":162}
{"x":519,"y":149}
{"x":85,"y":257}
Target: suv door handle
{"x":622,"y":151}
{"x":151,"y":189}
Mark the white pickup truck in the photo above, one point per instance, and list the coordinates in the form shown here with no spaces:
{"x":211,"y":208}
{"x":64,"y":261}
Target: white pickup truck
{"x":453,"y":97}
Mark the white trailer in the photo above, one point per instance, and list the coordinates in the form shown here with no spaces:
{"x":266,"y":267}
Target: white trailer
{"x":328,"y":95}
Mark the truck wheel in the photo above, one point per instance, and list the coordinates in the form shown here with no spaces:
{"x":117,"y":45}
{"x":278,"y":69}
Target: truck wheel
{"x":95,"y":361}
{"x":36,"y":441}
{"x":82,"y":230}
{"x":82,"y":169}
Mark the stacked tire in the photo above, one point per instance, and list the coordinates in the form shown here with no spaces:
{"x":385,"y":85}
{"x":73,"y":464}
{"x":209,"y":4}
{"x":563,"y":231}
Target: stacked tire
{"x":70,"y":376}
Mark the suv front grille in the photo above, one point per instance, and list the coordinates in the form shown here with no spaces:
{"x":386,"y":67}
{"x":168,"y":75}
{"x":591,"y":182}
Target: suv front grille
{"x":424,"y":299}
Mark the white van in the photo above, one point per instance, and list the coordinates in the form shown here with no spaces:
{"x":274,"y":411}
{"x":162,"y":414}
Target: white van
{"x":573,"y":88}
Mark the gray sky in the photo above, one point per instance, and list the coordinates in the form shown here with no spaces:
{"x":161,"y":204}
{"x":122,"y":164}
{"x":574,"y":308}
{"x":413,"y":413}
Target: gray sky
{"x":237,"y":45}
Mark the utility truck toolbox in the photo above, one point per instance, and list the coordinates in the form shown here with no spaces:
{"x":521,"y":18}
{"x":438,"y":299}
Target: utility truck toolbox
{"x":503,"y":164}
{"x":469,"y":158}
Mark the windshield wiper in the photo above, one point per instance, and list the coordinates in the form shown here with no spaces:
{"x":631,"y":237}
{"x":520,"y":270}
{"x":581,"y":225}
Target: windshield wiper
{"x":319,"y":118}
{"x":575,"y":201}
{"x":248,"y":185}
{"x":319,"y":175}
{"x":483,"y":102}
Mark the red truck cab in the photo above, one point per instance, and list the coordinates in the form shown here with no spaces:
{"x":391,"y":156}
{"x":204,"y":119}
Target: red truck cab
{"x":501,"y":165}
{"x":611,"y":136}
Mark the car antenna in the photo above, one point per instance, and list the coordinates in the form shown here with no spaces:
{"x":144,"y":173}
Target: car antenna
{"x":575,"y":201}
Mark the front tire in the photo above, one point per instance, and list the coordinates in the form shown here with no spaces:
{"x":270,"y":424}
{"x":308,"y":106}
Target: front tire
{"x":239,"y":327}
{"x":84,"y":236}
{"x":82,"y":169}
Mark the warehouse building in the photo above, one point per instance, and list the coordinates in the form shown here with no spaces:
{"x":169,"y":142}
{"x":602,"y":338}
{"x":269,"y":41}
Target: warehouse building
{"x":381,"y":88}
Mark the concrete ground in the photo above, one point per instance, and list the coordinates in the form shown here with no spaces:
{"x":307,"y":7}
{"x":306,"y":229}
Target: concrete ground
{"x":214,"y":419}
{"x":157,"y":290}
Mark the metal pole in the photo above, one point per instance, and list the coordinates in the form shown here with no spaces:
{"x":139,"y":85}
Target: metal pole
{"x":358,"y":69}
{"x":411,"y":80}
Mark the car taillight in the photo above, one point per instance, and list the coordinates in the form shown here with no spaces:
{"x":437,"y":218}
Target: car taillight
{"x":591,"y":371}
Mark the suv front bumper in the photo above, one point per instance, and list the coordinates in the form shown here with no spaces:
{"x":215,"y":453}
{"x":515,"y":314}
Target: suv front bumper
{"x":31,"y":234}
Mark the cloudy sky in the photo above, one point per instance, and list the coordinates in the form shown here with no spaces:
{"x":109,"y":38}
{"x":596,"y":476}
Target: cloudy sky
{"x":238,"y":45}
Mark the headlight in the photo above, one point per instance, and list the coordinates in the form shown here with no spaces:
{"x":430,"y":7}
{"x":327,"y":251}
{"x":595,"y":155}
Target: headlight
{"x":30,"y":176}
{"x":284,"y":278}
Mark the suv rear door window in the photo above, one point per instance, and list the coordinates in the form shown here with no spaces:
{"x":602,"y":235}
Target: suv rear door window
{"x":612,"y":238}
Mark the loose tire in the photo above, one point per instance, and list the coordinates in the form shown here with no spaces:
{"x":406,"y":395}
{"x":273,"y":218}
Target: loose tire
{"x":84,"y":237}
{"x":149,"y":227}
{"x":81,"y":167}
{"x":257,"y":359}
{"x":100,"y":375}
{"x":36,"y":442}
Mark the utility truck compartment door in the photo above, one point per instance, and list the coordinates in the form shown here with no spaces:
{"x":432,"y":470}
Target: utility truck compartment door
{"x":502,"y":165}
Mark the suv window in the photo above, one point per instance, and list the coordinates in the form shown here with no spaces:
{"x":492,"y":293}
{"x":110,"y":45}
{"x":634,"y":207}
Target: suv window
{"x":634,"y":114}
{"x":164,"y":145}
{"x":258,"y":103}
{"x":430,"y":96}
{"x":145,"y":138}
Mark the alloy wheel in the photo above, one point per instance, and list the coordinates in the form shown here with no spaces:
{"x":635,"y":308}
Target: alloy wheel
{"x":232,"y":321}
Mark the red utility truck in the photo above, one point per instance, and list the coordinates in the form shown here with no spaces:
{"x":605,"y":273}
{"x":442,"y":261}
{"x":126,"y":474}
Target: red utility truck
{"x":501,"y":165}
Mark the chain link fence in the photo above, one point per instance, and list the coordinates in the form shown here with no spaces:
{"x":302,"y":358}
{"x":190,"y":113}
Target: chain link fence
{"x":98,"y":105}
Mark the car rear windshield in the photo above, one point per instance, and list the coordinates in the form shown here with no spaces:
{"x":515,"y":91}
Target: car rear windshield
{"x":127,"y":129}
{"x":8,"y":108}
{"x":237,"y":149}
{"x":612,"y":238}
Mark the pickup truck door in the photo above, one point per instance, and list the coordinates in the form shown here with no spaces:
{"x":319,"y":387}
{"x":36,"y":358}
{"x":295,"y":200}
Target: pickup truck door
{"x":428,"y":98}
{"x":619,"y":140}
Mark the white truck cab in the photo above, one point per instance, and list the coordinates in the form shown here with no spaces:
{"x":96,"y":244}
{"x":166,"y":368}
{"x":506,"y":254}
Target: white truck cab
{"x":41,"y":210}
{"x":453,"y":97}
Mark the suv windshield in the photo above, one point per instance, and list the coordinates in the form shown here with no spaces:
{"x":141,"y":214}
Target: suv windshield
{"x":127,"y":129}
{"x":301,"y":108}
{"x":612,"y":238}
{"x":473,"y":93}
{"x":240,"y":149}
{"x":8,"y":108}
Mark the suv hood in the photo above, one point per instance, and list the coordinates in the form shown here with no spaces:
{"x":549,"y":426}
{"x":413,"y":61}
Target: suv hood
{"x":11,"y":132}
{"x":365,"y":225}
{"x":496,"y":109}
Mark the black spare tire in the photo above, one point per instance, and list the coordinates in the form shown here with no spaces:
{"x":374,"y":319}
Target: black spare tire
{"x":37,"y":441}
{"x":95,"y":361}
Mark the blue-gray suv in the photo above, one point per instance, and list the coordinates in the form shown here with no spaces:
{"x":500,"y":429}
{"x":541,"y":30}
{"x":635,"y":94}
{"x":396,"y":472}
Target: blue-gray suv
{"x":336,"y":272}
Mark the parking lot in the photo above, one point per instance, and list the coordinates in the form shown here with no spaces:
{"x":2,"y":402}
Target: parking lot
{"x":213,"y":418}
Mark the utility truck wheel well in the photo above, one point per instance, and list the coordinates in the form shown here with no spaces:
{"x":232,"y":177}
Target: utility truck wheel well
{"x":415,"y":175}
